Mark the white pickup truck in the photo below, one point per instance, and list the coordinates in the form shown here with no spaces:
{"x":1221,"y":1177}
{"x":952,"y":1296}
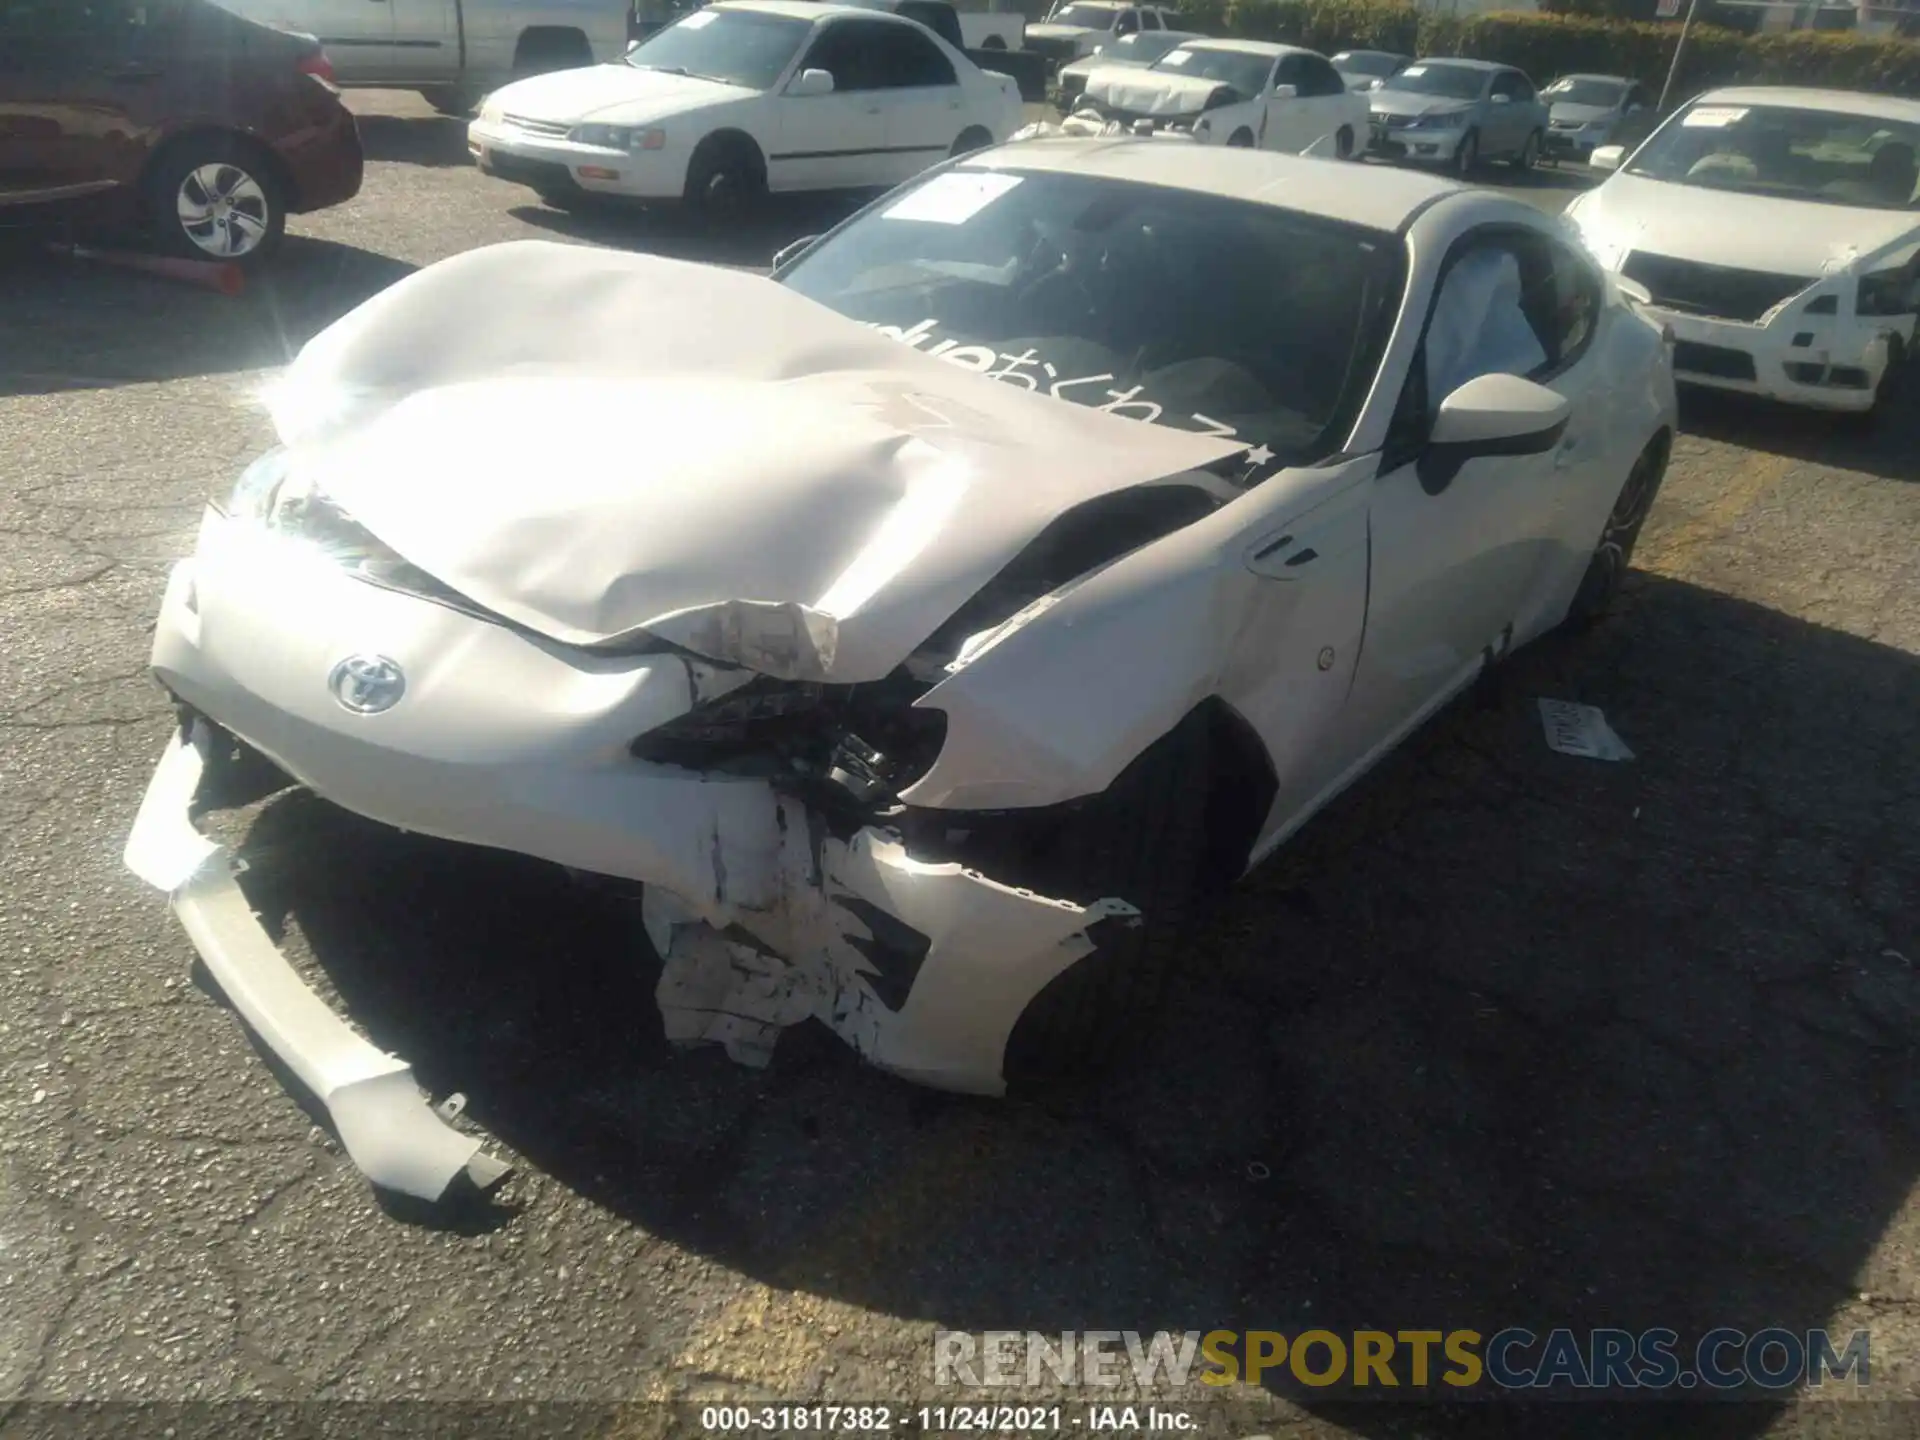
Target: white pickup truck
{"x":451,"y":51}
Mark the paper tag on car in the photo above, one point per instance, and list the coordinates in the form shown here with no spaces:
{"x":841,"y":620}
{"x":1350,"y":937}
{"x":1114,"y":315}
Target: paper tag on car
{"x":1412,"y":70}
{"x":1713,"y":117}
{"x":698,"y":19}
{"x":953,"y":198}
{"x":1177,"y":58}
{"x":1581,"y":730}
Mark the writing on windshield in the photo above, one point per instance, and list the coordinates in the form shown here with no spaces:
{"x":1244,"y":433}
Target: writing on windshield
{"x":1816,"y":155}
{"x":748,"y":48}
{"x":1452,"y":82}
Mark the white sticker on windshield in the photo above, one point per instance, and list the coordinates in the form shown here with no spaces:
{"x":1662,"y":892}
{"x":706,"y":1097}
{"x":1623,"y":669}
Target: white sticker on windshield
{"x":1413,"y":70}
{"x":1178,"y":57}
{"x":953,"y":198}
{"x":1713,"y":117}
{"x":698,"y":19}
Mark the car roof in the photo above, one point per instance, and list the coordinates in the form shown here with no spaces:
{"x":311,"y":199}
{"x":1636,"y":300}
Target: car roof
{"x":1590,"y":75}
{"x":1268,"y":48}
{"x":1463,"y":63}
{"x":796,"y":9}
{"x":1844,"y":102}
{"x":1380,"y":197}
{"x":1384,"y":54}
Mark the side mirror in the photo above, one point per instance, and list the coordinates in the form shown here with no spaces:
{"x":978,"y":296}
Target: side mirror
{"x":809,"y":83}
{"x":1607,"y":157}
{"x":1285,"y":92}
{"x":790,"y":253}
{"x":1490,"y":415}
{"x":1501,"y":99}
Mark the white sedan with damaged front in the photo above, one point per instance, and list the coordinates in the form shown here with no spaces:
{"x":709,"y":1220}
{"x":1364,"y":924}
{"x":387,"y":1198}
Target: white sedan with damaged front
{"x":944,"y":620}
{"x":1776,"y":231}
{"x":743,"y":98}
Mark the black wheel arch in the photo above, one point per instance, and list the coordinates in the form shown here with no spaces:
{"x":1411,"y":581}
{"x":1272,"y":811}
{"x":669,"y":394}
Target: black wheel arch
{"x":729,"y":139}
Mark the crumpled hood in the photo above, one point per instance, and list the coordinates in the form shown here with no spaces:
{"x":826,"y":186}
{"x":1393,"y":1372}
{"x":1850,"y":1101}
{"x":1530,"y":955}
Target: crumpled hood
{"x":611,"y":94}
{"x":588,"y":442}
{"x":1723,"y":227}
{"x":1402,"y":103}
{"x":1151,"y":92}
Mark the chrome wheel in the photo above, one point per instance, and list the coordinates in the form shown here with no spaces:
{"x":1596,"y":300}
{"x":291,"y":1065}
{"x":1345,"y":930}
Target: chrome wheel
{"x":224,"y":211}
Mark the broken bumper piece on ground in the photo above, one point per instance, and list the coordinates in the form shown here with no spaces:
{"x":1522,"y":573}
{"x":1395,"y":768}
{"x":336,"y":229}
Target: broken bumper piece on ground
{"x":389,"y":1130}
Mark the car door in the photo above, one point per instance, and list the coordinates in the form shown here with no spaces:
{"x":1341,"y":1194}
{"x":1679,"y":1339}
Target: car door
{"x":1505,"y":128}
{"x":837,"y":140}
{"x":1323,"y":101}
{"x":359,"y":35}
{"x":1456,"y":551}
{"x":924,"y":107}
{"x":82,"y":86}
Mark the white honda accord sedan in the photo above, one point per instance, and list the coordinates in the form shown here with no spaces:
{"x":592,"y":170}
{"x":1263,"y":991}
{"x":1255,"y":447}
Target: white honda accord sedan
{"x":1777,"y":232}
{"x":931,"y":628}
{"x":745,"y":97}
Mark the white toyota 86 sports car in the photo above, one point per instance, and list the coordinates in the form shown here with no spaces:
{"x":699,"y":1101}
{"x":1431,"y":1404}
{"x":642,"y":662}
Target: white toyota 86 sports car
{"x":929,"y":628}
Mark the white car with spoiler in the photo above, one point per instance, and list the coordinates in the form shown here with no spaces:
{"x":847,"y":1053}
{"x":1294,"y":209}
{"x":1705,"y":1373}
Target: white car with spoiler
{"x":1777,"y":232}
{"x":1244,"y":93}
{"x":947,"y":618}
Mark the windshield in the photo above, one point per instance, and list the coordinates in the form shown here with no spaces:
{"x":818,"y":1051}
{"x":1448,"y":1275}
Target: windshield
{"x":738,"y":47}
{"x":1364,"y":62}
{"x":1578,"y":90}
{"x":1197,"y":311}
{"x":1091,"y":17}
{"x":1816,"y":155}
{"x":1455,"y":82}
{"x":1245,"y":73}
{"x":1142,"y":46}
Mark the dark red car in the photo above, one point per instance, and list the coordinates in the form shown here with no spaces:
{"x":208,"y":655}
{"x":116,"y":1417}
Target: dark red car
{"x":204,"y":129}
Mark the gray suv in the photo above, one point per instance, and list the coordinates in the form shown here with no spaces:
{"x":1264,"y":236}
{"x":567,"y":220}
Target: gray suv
{"x":1458,"y":113}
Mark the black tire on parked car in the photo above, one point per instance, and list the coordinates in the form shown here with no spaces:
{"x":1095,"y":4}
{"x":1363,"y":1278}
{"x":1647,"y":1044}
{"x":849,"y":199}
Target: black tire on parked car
{"x":726,"y":179}
{"x":1614,"y":550}
{"x":541,"y":51}
{"x":1529,"y":154}
{"x":1343,"y":142}
{"x":215,"y":196}
{"x":1241,"y":139}
{"x":1893,"y":396}
{"x":1144,"y":840}
{"x":993,"y":42}
{"x":451,"y":100}
{"x":971,"y":139}
{"x":1467,"y":158}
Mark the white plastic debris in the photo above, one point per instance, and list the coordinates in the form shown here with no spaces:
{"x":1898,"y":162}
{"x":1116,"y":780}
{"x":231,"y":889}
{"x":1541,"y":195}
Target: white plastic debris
{"x":1581,"y":730}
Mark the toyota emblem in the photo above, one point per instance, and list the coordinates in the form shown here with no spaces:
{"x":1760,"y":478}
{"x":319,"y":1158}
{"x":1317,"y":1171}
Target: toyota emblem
{"x":367,"y":684}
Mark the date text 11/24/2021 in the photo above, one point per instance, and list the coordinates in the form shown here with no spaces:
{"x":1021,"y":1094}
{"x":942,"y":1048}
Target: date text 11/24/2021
{"x":945,"y":1419}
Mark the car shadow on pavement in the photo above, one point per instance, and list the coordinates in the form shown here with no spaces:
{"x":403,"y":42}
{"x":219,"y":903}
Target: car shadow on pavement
{"x":72,"y":313}
{"x":433,"y":140}
{"x":668,"y":231}
{"x":1506,"y":1037}
{"x":1887,"y":445}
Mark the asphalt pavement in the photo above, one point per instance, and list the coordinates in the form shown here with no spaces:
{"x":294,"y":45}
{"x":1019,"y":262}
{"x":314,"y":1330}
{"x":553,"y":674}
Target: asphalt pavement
{"x":1506,"y":1037}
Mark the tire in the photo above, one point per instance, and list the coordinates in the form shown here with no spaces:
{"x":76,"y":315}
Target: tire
{"x":1241,"y":140}
{"x":1467,"y":158}
{"x":450,"y":100}
{"x":993,"y":42}
{"x":1614,"y":550}
{"x":540,"y":52}
{"x":1895,"y":383}
{"x":1143,"y":839}
{"x":1529,"y":155}
{"x":971,"y":139}
{"x":573,"y":202}
{"x":726,"y":179}
{"x":216,"y":197}
{"x":1343,"y":142}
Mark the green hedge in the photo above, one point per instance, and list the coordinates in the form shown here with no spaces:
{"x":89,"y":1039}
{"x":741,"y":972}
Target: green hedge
{"x":1548,"y":45}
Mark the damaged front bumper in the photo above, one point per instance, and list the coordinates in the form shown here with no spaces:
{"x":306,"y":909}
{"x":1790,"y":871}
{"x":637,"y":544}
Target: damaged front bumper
{"x":390,"y":1132}
{"x":764,"y":911}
